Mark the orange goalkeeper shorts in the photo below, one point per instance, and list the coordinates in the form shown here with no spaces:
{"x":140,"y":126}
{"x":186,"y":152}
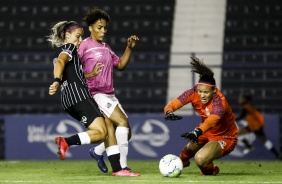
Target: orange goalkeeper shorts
{"x":227,"y":143}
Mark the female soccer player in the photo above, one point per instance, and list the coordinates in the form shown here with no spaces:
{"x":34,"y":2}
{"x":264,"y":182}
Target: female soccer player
{"x":255,"y":124}
{"x":216,"y":135}
{"x":98,"y":62}
{"x":76,"y":98}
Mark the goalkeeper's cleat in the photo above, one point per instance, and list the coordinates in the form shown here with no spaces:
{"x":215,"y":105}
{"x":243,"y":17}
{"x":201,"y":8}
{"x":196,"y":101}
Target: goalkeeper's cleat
{"x":126,"y":168}
{"x":62,"y":145}
{"x":125,"y":173}
{"x":186,"y":163}
{"x":100,"y":160}
{"x":215,"y":170}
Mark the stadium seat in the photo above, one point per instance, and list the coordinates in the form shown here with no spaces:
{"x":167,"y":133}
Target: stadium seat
{"x":24,"y":45}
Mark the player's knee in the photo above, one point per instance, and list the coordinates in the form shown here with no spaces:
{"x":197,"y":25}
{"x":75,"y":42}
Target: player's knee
{"x":200,"y":159}
{"x":104,"y":134}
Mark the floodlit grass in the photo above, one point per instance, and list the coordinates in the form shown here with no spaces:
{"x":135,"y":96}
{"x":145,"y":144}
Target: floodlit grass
{"x":86,"y":171}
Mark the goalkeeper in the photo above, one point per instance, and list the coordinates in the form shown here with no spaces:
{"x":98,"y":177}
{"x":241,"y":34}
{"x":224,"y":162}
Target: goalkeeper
{"x":216,"y":135}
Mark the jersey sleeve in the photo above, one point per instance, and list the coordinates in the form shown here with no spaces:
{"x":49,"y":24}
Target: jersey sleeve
{"x":115,"y":58}
{"x":68,"y":49}
{"x":173,"y":105}
{"x":180,"y":101}
{"x":210,"y":122}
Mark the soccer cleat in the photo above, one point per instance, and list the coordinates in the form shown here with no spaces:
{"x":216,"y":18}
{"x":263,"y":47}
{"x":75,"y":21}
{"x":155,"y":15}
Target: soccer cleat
{"x":63,"y":146}
{"x":215,"y":170}
{"x":125,"y":173}
{"x":100,"y":160}
{"x":186,"y":163}
{"x":126,"y":168}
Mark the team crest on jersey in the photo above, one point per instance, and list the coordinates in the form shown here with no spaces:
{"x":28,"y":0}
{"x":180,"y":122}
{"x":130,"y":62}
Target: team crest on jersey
{"x":207,"y":111}
{"x":98,"y":54}
{"x":83,"y":120}
{"x":109,"y":105}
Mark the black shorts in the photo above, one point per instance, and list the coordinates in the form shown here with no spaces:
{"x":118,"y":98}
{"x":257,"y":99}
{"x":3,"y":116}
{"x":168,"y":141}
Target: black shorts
{"x":85,"y":111}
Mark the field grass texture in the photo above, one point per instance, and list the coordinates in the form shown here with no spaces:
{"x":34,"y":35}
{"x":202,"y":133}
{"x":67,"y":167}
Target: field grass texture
{"x":86,"y":171}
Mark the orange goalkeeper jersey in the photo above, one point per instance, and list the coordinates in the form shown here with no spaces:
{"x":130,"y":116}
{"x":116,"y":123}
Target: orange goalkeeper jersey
{"x":217,"y":116}
{"x":253,"y":117}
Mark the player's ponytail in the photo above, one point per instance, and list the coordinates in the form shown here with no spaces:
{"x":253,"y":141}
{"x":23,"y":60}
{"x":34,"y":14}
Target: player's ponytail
{"x":206,"y":74}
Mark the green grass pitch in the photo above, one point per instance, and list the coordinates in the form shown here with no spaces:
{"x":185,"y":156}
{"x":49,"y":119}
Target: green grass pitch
{"x":86,"y":171}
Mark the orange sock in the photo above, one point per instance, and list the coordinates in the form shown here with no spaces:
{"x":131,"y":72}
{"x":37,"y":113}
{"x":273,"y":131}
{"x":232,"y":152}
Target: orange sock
{"x":185,"y":155}
{"x":207,"y":169}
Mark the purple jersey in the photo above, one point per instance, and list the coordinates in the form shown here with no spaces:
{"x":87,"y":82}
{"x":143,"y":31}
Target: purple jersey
{"x":92,"y":52}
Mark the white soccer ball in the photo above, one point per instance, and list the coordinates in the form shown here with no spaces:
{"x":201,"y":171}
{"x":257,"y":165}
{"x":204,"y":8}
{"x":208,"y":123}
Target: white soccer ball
{"x":171,"y":166}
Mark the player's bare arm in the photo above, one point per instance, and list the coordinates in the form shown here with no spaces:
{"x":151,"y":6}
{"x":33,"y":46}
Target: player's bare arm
{"x":58,"y":70}
{"x":131,"y":42}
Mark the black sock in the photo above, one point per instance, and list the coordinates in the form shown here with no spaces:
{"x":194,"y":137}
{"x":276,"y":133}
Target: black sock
{"x":73,"y":140}
{"x":247,"y":144}
{"x":114,"y":160}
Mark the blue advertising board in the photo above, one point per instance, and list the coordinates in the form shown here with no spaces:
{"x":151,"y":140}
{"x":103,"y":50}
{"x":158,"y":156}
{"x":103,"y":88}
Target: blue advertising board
{"x":32,"y":137}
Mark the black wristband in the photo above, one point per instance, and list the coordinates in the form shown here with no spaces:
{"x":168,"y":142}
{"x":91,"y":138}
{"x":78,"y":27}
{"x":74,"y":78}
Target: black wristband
{"x":58,"y":80}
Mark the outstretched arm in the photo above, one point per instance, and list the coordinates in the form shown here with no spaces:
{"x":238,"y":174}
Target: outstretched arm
{"x":131,"y":42}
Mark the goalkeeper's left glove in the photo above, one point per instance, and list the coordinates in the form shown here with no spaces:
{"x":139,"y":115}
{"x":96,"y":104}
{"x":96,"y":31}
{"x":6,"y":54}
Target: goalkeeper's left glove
{"x":171,"y":116}
{"x":193,"y":136}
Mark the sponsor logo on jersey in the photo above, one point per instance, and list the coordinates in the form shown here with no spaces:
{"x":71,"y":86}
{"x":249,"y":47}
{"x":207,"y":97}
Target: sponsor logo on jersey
{"x":98,"y":54}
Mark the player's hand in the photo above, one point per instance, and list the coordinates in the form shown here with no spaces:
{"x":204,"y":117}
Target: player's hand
{"x":171,"y":116}
{"x":193,"y":136}
{"x":53,"y":88}
{"x":131,"y":41}
{"x":97,"y":69}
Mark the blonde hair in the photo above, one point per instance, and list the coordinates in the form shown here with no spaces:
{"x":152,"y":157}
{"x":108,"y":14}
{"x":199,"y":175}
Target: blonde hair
{"x":58,"y":32}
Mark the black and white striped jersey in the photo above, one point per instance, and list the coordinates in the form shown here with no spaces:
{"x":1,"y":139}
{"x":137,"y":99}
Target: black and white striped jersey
{"x":73,"y":88}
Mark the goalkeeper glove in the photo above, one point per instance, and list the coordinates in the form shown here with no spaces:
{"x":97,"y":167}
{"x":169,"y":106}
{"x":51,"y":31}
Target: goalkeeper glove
{"x":171,"y":116}
{"x":193,"y":136}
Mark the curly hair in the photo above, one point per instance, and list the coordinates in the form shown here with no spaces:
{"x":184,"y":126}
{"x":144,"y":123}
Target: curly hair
{"x":206,"y":74}
{"x":94,"y":14}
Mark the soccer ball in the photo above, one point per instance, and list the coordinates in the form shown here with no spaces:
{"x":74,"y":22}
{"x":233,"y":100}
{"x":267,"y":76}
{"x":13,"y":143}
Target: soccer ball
{"x":171,"y":166}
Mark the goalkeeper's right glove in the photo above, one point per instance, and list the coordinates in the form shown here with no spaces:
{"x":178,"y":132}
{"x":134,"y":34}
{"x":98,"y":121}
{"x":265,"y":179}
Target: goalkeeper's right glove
{"x":194,"y":135}
{"x":171,"y":116}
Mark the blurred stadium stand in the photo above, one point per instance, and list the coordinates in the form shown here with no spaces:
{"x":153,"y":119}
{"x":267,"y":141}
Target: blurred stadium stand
{"x":26,"y":57}
{"x":251,"y":59}
{"x":252,"y":53}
